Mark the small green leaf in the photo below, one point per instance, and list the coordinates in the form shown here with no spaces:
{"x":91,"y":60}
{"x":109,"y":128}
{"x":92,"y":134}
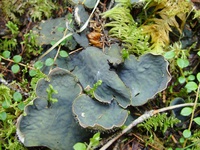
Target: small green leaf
{"x":181,"y":140}
{"x":198,"y":53}
{"x":186,"y":133}
{"x":169,"y":55}
{"x":15,"y":68}
{"x":197,"y":120}
{"x":186,"y":73}
{"x":17,"y":58}
{"x":3,"y":116}
{"x":38,"y":65}
{"x":186,"y":111}
{"x":61,"y":29}
{"x":94,"y":141}
{"x":125,"y":53}
{"x":32,"y":73}
{"x":53,"y":42}
{"x":63,"y":42}
{"x":198,"y":76}
{"x":6,"y":54}
{"x":79,"y":146}
{"x":50,"y":91}
{"x":191,"y":77}
{"x":191,"y":86}
{"x":17,"y":96}
{"x":181,"y":80}
{"x":6,"y":104}
{"x":182,"y":63}
{"x":63,"y":53}
{"x":49,"y":61}
{"x":21,"y":106}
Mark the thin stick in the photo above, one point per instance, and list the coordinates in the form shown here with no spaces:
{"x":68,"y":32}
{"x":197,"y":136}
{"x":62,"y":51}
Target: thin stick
{"x":10,"y":60}
{"x":86,"y":23}
{"x":142,"y":118}
{"x":55,"y":45}
{"x":75,"y":50}
{"x":193,"y":111}
{"x":194,"y":107}
{"x":59,"y":47}
{"x":172,"y":107}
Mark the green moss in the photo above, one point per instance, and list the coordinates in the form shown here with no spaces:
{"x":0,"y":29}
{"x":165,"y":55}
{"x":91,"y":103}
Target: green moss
{"x":36,"y":10}
{"x":149,"y":34}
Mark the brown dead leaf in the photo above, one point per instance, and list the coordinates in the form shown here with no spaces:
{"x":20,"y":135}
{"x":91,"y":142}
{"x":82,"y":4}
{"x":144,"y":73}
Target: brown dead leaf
{"x":94,"y":38}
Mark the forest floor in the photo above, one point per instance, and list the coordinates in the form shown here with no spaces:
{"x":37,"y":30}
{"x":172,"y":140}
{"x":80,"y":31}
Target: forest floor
{"x":30,"y":31}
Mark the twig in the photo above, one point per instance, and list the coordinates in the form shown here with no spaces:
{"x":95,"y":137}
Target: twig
{"x":59,"y":47}
{"x":194,"y":107}
{"x":142,"y":118}
{"x":86,"y":23}
{"x":10,"y":60}
{"x":172,"y":107}
{"x":134,"y":123}
{"x":55,"y":45}
{"x":193,"y":111}
{"x":74,"y":51}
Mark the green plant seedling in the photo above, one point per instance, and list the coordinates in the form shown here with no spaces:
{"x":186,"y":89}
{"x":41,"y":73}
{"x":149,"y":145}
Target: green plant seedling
{"x":186,"y":111}
{"x":80,"y":146}
{"x":197,"y":120}
{"x":15,"y":68}
{"x":32,"y":73}
{"x":125,"y":54}
{"x":6,"y":54}
{"x":191,"y":77}
{"x":191,"y":86}
{"x":3,"y":116}
{"x":198,"y":53}
{"x":90,"y":91}
{"x":17,"y":58}
{"x":49,"y":62}
{"x":63,"y":53}
{"x":198,"y":76}
{"x":50,"y":91}
{"x":187,"y":133}
{"x":17,"y":96}
{"x":21,"y":106}
{"x":181,"y":80}
{"x":182,"y":63}
{"x":38,"y":65}
{"x":94,"y":142}
{"x":169,"y":54}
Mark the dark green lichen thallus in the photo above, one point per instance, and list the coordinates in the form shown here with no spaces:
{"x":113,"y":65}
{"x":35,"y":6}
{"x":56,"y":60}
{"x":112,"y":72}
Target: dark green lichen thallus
{"x":55,"y":126}
{"x":131,"y":82}
{"x":145,"y":76}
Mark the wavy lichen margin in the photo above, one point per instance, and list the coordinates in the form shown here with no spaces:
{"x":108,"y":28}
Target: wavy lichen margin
{"x":145,"y":76}
{"x":93,"y":114}
{"x":52,"y":124}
